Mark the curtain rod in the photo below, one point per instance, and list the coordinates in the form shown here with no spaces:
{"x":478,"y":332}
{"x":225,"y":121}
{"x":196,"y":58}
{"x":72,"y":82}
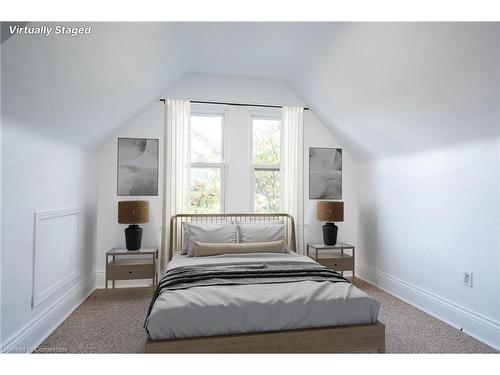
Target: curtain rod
{"x":236,"y":104}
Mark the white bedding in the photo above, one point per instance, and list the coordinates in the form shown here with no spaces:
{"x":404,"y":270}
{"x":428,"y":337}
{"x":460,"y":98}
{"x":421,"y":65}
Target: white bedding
{"x":233,"y":309}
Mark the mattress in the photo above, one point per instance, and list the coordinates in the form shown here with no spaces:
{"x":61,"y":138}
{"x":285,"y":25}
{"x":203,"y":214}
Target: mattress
{"x":235,"y":309}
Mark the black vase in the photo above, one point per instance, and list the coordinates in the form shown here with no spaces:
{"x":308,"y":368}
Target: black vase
{"x":330,"y":234}
{"x":133,"y":237}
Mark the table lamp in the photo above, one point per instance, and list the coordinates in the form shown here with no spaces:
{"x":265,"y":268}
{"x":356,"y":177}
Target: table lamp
{"x":133,"y":213}
{"x":330,"y":211}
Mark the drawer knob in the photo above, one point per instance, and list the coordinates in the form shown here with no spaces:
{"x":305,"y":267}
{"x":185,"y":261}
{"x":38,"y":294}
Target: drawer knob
{"x":130,"y":272}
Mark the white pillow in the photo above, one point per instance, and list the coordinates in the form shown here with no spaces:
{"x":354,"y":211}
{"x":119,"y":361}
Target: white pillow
{"x":211,"y":233}
{"x":261,"y":232}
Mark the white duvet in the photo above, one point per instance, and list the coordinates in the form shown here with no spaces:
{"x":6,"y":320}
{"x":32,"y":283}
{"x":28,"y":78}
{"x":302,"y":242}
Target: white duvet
{"x":233,"y":309}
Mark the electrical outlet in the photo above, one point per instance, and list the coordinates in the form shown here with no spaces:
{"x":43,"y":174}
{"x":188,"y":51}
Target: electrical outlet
{"x":468,"y":279}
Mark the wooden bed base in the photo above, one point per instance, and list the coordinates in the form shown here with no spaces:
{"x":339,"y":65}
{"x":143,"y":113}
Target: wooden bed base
{"x":342,"y":339}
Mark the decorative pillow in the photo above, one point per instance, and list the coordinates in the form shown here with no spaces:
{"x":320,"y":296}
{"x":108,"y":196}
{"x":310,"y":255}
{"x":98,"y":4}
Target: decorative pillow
{"x":260,"y":232}
{"x":203,"y":249}
{"x":211,"y":233}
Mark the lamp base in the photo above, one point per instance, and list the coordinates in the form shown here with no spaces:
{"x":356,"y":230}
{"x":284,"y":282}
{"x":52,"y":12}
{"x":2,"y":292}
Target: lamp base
{"x":330,"y":231}
{"x":133,"y":237}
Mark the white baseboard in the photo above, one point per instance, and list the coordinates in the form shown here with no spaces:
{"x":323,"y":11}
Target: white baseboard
{"x":28,"y":338}
{"x":474,"y":324}
{"x":101,"y":277}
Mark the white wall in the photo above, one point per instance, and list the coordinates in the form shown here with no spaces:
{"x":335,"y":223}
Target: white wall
{"x":317,"y":135}
{"x":41,"y":174}
{"x":226,"y":88}
{"x":428,"y":217}
{"x":209,"y":87}
{"x":205,"y":87}
{"x":149,"y":124}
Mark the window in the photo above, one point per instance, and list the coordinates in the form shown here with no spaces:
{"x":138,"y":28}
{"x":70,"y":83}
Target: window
{"x":266,"y":139}
{"x":207,"y":163}
{"x":234,"y":165}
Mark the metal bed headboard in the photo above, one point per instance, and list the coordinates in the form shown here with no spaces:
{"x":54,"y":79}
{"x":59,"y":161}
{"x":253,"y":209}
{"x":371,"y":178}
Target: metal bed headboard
{"x":177,"y":229}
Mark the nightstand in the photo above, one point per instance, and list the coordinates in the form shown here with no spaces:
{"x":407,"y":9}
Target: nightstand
{"x":122,"y":264}
{"x":333,"y":257}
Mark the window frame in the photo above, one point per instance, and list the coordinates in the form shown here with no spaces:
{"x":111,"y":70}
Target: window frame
{"x":261,"y":167}
{"x":222,"y":165}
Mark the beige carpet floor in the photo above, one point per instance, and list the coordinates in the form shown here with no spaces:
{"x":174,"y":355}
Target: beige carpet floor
{"x":111,"y":322}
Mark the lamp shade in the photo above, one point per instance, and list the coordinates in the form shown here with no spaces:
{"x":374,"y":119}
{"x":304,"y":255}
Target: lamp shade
{"x":133,"y":212}
{"x":330,"y":211}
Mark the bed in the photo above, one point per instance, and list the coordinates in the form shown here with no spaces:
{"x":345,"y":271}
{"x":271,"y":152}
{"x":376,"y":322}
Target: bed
{"x":287,"y":316}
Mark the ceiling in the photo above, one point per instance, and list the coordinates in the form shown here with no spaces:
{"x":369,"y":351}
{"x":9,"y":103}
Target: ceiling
{"x":382,"y":88}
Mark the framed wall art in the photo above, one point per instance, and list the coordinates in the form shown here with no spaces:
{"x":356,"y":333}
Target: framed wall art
{"x":325,"y":173}
{"x":137,"y":166}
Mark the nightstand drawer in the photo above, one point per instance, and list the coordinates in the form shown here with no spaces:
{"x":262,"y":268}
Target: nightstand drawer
{"x":340,"y":264}
{"x":123,"y":270}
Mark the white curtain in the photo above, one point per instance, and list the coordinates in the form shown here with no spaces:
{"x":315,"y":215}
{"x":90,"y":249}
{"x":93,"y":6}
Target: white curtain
{"x":177,"y":166}
{"x":292,"y":169}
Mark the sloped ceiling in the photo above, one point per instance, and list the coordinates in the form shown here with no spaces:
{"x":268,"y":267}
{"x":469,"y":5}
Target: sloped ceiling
{"x":388,"y":89}
{"x":81,"y":89}
{"x":382,"y":88}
